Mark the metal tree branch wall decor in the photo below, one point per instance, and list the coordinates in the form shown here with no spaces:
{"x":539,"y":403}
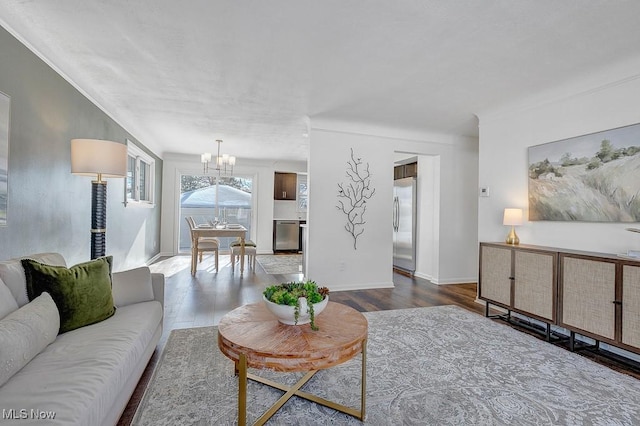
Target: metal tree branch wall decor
{"x":353,"y":196}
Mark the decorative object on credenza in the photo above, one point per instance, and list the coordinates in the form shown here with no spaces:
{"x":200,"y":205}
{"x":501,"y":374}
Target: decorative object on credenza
{"x":296,"y":303}
{"x":632,"y":254}
{"x":353,"y":196}
{"x":102,"y":159}
{"x":5,"y":108}
{"x":513,"y":218}
{"x":589,"y":178}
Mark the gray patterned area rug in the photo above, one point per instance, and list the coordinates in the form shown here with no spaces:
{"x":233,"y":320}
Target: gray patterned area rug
{"x":425,"y":366}
{"x":281,"y":263}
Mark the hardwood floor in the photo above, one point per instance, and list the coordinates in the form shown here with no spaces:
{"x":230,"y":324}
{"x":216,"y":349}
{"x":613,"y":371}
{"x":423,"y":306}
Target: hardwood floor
{"x":204,"y":299}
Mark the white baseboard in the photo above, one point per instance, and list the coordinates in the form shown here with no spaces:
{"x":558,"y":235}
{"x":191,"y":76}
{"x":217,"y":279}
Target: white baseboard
{"x":368,"y":286}
{"x":423,"y":276}
{"x":158,"y":256}
{"x":467,"y":280}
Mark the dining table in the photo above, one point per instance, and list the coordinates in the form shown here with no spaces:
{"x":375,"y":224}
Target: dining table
{"x":220,"y":231}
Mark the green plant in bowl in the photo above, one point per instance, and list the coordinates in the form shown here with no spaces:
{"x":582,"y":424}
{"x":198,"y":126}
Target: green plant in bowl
{"x":301,"y":295}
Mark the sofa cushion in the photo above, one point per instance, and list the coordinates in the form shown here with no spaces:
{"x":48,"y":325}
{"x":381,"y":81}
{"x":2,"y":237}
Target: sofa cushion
{"x":7,"y":302}
{"x":238,"y":243}
{"x":12,"y":273}
{"x":132,"y":286}
{"x":82,"y":292}
{"x":25,"y":332}
{"x":82,"y":373}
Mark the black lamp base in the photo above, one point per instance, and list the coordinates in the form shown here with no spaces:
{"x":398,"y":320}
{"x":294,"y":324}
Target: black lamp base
{"x":98,"y":218}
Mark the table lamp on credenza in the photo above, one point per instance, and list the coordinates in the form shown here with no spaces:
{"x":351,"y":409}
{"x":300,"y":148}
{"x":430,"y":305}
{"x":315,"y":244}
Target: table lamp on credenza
{"x":102,"y":159}
{"x":513,"y":218}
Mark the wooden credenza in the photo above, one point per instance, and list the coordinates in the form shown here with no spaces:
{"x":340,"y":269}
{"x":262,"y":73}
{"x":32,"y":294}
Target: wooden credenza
{"x":592,"y":294}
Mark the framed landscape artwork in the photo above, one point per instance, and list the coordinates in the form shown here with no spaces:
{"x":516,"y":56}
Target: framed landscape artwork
{"x":590,"y":178}
{"x":4,"y":156}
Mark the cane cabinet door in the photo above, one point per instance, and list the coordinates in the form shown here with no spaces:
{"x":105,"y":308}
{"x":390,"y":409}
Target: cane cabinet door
{"x":495,"y":275}
{"x":534,"y":287}
{"x":588,"y":291}
{"x":631,"y":305}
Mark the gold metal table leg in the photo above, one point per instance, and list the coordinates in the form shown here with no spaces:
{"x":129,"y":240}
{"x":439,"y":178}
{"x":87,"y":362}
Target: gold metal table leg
{"x":290,"y":391}
{"x":363,"y":383}
{"x":242,"y":390}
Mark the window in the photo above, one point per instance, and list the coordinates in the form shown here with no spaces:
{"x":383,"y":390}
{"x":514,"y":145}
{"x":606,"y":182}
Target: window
{"x":139,"y":187}
{"x":303,"y":193}
{"x":199,"y":199}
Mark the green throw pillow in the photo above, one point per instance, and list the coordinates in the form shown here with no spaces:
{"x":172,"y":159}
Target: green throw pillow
{"x":82,"y":293}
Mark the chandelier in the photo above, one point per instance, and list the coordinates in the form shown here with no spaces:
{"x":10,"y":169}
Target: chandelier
{"x":224,"y":162}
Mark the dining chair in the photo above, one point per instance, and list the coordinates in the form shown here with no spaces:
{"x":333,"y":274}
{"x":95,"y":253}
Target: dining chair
{"x":249,"y":251}
{"x":211,"y":244}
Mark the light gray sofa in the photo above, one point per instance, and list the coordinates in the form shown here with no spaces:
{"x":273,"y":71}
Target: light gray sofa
{"x":85,"y":376}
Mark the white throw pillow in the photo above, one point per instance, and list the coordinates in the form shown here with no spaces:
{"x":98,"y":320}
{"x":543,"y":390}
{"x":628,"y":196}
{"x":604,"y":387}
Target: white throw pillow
{"x":7,"y":302}
{"x":12,"y":273}
{"x":132,"y":286}
{"x":25,"y":333}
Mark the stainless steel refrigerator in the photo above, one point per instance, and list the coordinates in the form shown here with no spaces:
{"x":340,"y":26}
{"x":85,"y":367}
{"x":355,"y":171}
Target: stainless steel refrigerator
{"x":404,"y":224}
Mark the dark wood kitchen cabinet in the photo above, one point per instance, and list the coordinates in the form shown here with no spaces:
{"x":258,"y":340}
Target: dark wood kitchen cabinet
{"x":284,"y":186}
{"x":405,"y":170}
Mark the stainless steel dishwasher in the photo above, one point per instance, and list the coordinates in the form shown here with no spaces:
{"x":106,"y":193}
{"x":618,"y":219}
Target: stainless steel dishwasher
{"x":286,"y":235}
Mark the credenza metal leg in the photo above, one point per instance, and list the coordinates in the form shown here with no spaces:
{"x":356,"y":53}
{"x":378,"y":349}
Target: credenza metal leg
{"x":572,"y":341}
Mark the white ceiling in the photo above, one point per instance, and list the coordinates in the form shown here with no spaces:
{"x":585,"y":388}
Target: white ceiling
{"x":180,"y":74}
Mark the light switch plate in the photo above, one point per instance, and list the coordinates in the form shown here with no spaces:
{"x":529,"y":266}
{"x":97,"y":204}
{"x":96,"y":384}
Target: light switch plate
{"x":484,"y":191}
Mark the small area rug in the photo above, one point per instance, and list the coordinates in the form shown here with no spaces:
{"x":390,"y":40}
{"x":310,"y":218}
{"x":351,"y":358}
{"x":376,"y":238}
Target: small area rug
{"x":426,"y":366}
{"x":281,"y":263}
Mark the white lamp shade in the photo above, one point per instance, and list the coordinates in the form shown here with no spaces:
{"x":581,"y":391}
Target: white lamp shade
{"x":91,"y":157}
{"x":512,"y":217}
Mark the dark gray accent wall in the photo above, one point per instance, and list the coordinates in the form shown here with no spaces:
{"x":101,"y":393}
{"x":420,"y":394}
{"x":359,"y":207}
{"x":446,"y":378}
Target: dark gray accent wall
{"x":49,"y":209}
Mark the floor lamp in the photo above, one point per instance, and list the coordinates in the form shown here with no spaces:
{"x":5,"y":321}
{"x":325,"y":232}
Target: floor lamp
{"x":102,"y":159}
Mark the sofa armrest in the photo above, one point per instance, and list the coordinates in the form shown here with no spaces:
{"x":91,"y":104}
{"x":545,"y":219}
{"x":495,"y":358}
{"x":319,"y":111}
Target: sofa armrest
{"x":157,"y":281}
{"x":137,"y":285}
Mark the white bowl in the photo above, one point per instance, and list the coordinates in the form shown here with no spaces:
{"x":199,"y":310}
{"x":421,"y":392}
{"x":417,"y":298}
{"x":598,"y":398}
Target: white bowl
{"x":286,"y":313}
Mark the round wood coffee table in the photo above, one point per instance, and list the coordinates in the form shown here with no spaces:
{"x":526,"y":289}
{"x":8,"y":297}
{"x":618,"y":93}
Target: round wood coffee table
{"x":252,"y":337}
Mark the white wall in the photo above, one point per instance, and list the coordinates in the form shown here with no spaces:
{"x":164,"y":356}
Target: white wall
{"x":428,"y":223}
{"x":331,"y":258}
{"x":610,"y":102}
{"x":263,"y":175}
{"x":446,"y":254}
{"x":49,"y":209}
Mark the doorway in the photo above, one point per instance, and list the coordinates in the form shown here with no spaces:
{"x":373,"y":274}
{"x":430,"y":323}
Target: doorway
{"x":427,"y":211}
